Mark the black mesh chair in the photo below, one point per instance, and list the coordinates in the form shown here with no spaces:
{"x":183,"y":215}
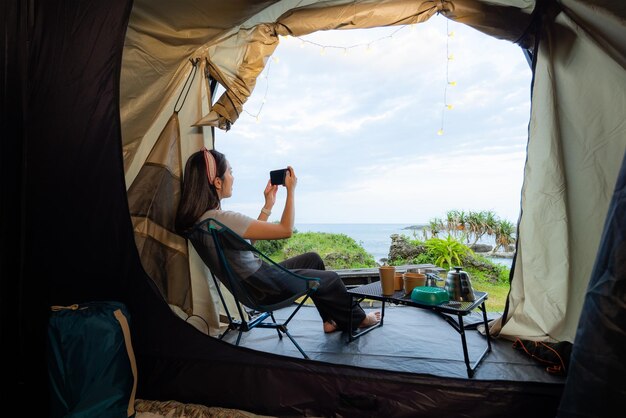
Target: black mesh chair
{"x":268,"y":289}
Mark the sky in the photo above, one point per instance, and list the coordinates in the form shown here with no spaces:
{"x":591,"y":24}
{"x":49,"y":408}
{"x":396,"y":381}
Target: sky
{"x":357,"y":114}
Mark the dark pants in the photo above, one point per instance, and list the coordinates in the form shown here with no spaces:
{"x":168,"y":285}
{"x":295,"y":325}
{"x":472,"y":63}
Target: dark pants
{"x":331,"y":297}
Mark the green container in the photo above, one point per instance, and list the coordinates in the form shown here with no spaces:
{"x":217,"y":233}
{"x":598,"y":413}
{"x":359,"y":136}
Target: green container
{"x":429,"y":295}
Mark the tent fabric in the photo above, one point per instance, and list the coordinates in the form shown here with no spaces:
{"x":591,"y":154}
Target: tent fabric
{"x":574,"y":154}
{"x":597,"y":365}
{"x":75,"y":238}
{"x":238,"y":55}
{"x":97,"y":94}
{"x":205,"y":304}
{"x":162,"y":37}
{"x":153,"y":200}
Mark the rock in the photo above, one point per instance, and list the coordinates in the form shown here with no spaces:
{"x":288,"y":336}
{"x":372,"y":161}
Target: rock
{"x":401,"y":248}
{"x":414,"y":227}
{"x":481,"y":248}
{"x":502,"y":254}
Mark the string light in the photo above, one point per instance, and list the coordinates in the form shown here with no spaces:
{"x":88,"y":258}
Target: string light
{"x":266,"y":76}
{"x":344,"y":49}
{"x":368,"y":48}
{"x":323,"y":49}
{"x":446,"y":105}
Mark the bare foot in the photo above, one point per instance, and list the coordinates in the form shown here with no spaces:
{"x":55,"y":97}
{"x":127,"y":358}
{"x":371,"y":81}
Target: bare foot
{"x":330,"y":326}
{"x":370,"y":319}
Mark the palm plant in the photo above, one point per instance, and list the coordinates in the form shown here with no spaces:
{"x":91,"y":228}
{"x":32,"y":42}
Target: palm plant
{"x":435,"y":226}
{"x":491,"y":222}
{"x":476,"y":225}
{"x":504,"y":232}
{"x":455,"y":221}
{"x":460,"y":220}
{"x":451,"y":221}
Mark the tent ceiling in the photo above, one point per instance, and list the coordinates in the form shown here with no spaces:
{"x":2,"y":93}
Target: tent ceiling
{"x":237,"y":37}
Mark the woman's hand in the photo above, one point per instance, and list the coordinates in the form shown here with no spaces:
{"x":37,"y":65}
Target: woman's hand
{"x":270,"y":195}
{"x":290,"y":179}
{"x":266,"y":230}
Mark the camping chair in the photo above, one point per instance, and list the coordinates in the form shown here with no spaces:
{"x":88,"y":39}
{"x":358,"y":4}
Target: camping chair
{"x":272,"y":287}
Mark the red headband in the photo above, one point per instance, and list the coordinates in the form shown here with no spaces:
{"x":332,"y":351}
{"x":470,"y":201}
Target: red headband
{"x":211,"y":165}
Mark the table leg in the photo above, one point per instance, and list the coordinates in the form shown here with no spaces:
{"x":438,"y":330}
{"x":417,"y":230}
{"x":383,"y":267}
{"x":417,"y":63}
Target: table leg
{"x":353,"y":335}
{"x":472,"y":369}
{"x":460,"y":328}
{"x":484,"y":309}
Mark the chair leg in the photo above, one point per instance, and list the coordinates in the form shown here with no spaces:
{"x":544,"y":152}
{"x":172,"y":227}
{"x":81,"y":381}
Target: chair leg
{"x":296,"y":344}
{"x":277,"y":329}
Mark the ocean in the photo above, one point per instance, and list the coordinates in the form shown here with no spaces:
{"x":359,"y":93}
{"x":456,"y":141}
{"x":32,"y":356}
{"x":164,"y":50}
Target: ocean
{"x":376,"y":238}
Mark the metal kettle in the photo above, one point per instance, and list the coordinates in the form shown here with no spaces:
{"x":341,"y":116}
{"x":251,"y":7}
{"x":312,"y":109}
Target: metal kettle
{"x":459,"y":286}
{"x":431,"y":279}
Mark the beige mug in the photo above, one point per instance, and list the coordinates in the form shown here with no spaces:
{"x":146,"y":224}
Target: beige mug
{"x":397,"y":281}
{"x":413,"y":280}
{"x":387,"y":274}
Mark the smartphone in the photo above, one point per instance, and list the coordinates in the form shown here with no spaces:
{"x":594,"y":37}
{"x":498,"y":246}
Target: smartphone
{"x":277,"y":177}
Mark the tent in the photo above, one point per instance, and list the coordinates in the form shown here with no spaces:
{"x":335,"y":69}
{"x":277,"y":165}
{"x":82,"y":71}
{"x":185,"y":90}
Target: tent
{"x":88,"y":87}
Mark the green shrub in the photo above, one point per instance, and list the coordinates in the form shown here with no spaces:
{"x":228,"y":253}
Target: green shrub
{"x":270,"y":246}
{"x":447,"y":252}
{"x":487,"y":269}
{"x":338,"y":251}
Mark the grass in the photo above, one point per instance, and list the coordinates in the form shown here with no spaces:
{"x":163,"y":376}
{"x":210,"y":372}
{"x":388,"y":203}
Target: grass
{"x":497,"y":294}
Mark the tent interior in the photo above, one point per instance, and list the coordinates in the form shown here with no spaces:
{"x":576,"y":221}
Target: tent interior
{"x":92,"y":95}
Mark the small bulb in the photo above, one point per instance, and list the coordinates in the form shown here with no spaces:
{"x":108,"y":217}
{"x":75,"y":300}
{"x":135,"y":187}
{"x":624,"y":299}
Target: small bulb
{"x":450,"y":57}
{"x":323,"y":51}
{"x":452,"y":83}
{"x":451,"y":34}
{"x":412,"y":27}
{"x":345,"y":51}
{"x":258,"y":119}
{"x":368,"y":48}
{"x":301,"y":44}
{"x":440,"y":132}
{"x":275,"y":59}
{"x":449,"y":107}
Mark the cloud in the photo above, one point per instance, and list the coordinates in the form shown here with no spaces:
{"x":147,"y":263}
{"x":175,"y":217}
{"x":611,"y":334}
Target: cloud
{"x":361,"y":129}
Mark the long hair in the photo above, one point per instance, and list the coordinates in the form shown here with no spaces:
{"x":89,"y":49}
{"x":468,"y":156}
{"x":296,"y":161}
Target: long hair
{"x":198,"y":195}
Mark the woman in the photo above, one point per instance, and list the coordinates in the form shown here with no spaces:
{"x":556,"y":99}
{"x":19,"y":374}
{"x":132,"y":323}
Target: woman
{"x":208,"y":179}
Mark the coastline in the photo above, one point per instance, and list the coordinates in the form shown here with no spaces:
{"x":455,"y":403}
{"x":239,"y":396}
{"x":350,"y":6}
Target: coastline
{"x":376,"y":238}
